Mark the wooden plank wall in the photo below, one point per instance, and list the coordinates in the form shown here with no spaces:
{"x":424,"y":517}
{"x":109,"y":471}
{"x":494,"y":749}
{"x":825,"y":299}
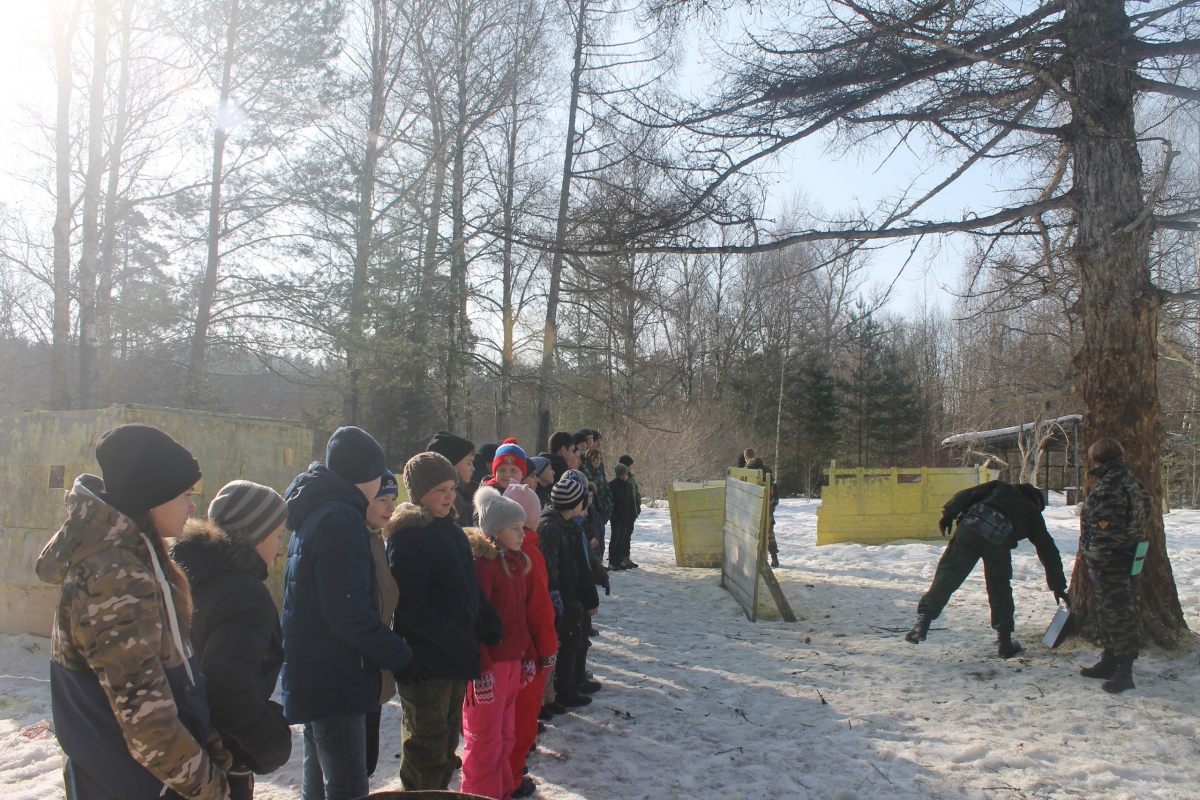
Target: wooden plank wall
{"x":745,"y":507}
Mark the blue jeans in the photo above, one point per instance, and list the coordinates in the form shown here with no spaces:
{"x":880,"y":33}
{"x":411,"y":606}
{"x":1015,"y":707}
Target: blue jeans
{"x":335,"y":759}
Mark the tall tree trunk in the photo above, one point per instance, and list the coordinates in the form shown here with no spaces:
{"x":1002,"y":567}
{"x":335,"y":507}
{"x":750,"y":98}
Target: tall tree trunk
{"x":112,"y":209}
{"x":62,"y":33}
{"x":89,"y":367}
{"x":208,"y":285}
{"x":364,"y":222}
{"x":550,"y":333}
{"x":456,"y":318}
{"x":507,"y":313}
{"x":1118,"y":303}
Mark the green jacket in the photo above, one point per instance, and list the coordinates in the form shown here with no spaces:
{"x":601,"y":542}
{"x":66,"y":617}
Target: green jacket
{"x":1026,"y":518}
{"x":1113,"y":517}
{"x":637,"y":497}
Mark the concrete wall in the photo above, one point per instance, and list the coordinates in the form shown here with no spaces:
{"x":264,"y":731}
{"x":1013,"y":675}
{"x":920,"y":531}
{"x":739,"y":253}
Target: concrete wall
{"x":41,"y":454}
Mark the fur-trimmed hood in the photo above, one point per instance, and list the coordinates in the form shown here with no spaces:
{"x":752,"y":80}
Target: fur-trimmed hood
{"x":481,"y":546}
{"x":407,"y":515}
{"x":205,"y":551}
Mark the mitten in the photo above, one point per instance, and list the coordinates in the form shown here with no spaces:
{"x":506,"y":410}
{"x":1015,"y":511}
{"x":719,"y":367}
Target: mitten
{"x":485,"y":688}
{"x":550,"y":660}
{"x":556,"y":599}
{"x":1061,"y":596}
{"x":528,"y":672}
{"x":945,"y":525}
{"x":412,"y":672}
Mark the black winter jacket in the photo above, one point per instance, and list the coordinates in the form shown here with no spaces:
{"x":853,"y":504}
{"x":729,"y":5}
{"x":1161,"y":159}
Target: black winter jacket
{"x":236,"y":635}
{"x":1026,"y":518}
{"x":567,"y":565}
{"x":624,"y":509}
{"x":442,"y":612}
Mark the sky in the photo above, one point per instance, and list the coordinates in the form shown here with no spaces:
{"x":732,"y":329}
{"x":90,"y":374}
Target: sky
{"x":834,"y":182}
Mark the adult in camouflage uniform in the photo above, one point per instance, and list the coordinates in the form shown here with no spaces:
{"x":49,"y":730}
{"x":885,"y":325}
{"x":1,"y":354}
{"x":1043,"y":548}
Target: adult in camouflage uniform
{"x":593,"y":469}
{"x":1021,"y":505}
{"x":754,"y":462}
{"x":1112,"y":521}
{"x":127,"y":694}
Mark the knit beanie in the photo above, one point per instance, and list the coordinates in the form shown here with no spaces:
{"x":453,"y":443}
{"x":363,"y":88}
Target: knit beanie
{"x":496,"y":512}
{"x":626,"y":460}
{"x":620,"y":470}
{"x":510,"y":453}
{"x":143,"y":468}
{"x":537,"y":464}
{"x":355,"y":455}
{"x":520,"y":493}
{"x":424,"y":471}
{"x":567,"y":493}
{"x":247,"y":512}
{"x":483,"y":460}
{"x":454,"y":448}
{"x":388,"y":485}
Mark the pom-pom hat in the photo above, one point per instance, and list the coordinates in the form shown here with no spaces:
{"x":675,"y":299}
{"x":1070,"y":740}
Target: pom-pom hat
{"x":510,"y":452}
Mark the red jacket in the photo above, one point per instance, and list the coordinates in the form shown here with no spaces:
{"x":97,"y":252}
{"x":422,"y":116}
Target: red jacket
{"x":506,"y":593}
{"x":540,"y":611}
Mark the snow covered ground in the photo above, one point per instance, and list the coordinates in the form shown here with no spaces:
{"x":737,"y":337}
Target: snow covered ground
{"x":699,"y":703}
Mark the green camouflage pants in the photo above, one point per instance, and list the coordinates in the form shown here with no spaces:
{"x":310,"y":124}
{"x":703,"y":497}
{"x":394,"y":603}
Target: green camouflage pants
{"x":1113,"y":586}
{"x":429,"y":732}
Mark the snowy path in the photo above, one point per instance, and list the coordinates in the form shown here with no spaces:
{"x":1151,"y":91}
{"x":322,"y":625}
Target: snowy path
{"x":700,"y":703}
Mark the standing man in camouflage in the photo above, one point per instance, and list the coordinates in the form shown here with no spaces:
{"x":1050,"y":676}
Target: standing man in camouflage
{"x":752,"y":461}
{"x":1112,"y":521}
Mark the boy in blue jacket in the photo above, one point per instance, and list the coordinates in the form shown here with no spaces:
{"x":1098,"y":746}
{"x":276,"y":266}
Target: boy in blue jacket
{"x":333,"y":640}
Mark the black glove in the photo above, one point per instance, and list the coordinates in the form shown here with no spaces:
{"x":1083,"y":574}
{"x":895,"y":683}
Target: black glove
{"x":489,"y":637}
{"x":945,"y":525}
{"x":1061,"y":596}
{"x":412,"y":672}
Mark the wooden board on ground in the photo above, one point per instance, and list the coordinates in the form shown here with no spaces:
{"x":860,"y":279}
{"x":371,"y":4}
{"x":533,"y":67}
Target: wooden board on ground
{"x":697,"y":522}
{"x":747,"y":520}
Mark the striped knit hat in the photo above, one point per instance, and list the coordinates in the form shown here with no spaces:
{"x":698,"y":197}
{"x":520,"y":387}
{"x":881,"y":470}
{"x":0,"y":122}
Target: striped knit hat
{"x":247,"y":512}
{"x":566,"y":494}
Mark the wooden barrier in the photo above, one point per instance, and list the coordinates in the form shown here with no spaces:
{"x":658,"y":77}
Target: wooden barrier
{"x":41,"y":454}
{"x":747,"y":520}
{"x":697,"y":522}
{"x":877,"y":506}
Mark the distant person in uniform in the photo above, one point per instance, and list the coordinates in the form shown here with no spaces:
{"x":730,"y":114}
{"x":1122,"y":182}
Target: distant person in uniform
{"x":1112,"y":521}
{"x":752,"y":461}
{"x":991,"y":518}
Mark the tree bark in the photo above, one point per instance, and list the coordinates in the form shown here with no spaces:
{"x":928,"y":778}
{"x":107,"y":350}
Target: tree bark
{"x":112,"y":209}
{"x":550,"y":332}
{"x":507,"y":313}
{"x":1118,"y":303}
{"x":62,"y":33}
{"x":208,"y":285}
{"x":457,"y":316}
{"x":89,"y":367}
{"x":364,"y":222}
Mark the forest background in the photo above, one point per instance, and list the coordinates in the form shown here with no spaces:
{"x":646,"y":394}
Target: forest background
{"x":375,"y":247}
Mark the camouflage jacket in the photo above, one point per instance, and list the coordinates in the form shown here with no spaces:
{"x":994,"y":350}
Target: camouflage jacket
{"x":122,"y":684}
{"x":1113,"y":517}
{"x":604,"y":503}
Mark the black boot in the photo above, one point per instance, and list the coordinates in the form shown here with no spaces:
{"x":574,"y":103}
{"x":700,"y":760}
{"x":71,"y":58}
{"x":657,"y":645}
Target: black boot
{"x":1105,"y":668}
{"x":920,"y":630}
{"x":774,"y":559}
{"x":1005,"y":646}
{"x":1122,"y":678}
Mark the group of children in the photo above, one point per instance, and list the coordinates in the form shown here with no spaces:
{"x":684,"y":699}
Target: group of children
{"x":465,"y":600}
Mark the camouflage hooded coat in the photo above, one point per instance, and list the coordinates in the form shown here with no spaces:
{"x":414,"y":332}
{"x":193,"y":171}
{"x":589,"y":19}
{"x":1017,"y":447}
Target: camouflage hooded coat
{"x":128,"y":697}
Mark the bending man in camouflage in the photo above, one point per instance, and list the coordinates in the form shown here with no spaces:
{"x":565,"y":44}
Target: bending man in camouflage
{"x":992,"y":518}
{"x":1112,"y":521}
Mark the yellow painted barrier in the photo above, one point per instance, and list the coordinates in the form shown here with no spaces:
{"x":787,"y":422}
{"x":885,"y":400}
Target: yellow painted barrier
{"x":697,"y":522}
{"x":41,"y":454}
{"x":877,"y":506}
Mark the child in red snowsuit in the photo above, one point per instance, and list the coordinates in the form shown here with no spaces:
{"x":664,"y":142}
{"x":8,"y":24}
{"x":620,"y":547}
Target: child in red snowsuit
{"x":545,"y":639}
{"x":489,"y":714}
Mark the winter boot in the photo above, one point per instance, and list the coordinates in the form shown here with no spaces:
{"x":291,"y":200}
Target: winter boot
{"x":576,"y":700}
{"x":920,"y":630}
{"x":527,"y":788}
{"x":550,"y":710}
{"x":590,"y":686}
{"x":1005,"y":646}
{"x":774,"y":559}
{"x":1105,"y":668}
{"x":1122,"y":678}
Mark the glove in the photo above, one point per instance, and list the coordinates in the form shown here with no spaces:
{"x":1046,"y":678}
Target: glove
{"x":945,"y":525}
{"x":489,"y":638}
{"x":528,"y":672}
{"x":556,"y":599}
{"x":485,"y":688}
{"x":412,"y":672}
{"x":1061,"y":596}
{"x":550,"y":660}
